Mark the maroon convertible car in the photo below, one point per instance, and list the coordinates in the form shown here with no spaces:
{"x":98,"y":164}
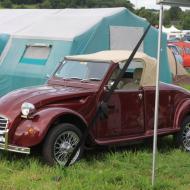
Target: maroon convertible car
{"x":57,"y":114}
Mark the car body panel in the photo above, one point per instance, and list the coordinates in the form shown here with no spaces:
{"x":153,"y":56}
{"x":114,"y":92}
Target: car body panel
{"x":185,"y":52}
{"x":130,"y":111}
{"x":42,"y":121}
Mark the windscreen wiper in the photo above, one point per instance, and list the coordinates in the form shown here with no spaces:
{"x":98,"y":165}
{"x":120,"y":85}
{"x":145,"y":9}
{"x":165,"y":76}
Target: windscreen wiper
{"x":90,"y":79}
{"x":72,"y":78}
{"x":102,"y":109}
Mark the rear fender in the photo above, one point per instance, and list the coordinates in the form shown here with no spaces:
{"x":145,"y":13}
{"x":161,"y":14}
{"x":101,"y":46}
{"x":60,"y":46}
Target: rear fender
{"x":31,"y":132}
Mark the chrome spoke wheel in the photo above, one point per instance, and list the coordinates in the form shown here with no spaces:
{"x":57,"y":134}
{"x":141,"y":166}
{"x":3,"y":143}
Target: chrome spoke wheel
{"x":64,"y":146}
{"x":186,"y":137}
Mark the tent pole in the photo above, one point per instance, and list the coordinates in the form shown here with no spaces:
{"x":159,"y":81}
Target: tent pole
{"x":157,"y":98}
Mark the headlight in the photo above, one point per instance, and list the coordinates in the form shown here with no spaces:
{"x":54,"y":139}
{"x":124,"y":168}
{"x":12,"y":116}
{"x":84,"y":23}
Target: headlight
{"x":27,"y":109}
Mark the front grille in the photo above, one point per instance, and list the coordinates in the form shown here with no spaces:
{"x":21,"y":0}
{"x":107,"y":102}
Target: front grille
{"x":3,"y":123}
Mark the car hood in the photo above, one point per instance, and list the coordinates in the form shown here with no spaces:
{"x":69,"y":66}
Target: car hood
{"x":39,"y":96}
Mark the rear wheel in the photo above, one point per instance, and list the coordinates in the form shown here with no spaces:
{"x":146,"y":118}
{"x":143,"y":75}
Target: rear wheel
{"x":182,"y":139}
{"x":60,"y":143}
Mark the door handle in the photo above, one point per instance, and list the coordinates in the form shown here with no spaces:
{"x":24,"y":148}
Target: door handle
{"x":140,"y":96}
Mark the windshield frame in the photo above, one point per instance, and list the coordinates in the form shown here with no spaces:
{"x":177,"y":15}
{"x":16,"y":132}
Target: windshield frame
{"x":72,"y":82}
{"x":90,"y":79}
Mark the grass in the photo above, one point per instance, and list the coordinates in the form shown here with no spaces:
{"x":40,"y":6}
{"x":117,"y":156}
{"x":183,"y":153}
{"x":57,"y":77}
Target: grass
{"x":125,"y":168}
{"x":186,"y":86}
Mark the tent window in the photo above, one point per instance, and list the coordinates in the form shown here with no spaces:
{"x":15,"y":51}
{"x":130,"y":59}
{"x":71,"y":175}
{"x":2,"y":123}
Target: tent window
{"x":36,"y":55}
{"x":125,"y":38}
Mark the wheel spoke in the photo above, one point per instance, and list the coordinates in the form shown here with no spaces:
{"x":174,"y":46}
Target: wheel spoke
{"x":186,"y":136}
{"x":64,"y":146}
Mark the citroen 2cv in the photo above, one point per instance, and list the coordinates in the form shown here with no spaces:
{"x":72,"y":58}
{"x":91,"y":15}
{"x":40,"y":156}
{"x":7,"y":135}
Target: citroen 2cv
{"x":56,"y":115}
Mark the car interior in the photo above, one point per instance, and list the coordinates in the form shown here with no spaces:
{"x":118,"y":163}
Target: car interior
{"x":130,"y":80}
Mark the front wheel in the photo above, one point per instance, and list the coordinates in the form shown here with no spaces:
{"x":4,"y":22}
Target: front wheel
{"x":60,"y":143}
{"x":182,"y":138}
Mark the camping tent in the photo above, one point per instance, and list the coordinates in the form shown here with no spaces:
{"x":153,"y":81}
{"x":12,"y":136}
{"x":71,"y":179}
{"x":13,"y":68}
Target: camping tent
{"x":15,"y":20}
{"x":171,"y":29}
{"x":3,"y":41}
{"x":176,"y":68}
{"x":172,"y":32}
{"x":39,"y":40}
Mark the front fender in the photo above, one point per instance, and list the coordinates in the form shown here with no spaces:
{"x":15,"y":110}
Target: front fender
{"x":31,"y":132}
{"x":181,"y":112}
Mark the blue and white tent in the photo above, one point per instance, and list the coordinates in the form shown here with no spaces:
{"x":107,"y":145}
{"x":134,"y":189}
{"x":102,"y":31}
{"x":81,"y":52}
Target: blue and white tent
{"x":39,"y":40}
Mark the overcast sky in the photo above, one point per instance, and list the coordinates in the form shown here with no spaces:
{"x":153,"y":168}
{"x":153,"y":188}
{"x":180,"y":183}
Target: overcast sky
{"x":146,"y":3}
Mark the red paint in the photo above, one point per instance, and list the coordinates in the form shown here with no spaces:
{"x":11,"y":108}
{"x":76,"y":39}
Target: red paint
{"x":131,"y":112}
{"x":184,"y":53}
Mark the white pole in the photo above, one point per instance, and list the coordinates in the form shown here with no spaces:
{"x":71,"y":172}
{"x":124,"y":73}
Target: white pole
{"x":156,"y":112}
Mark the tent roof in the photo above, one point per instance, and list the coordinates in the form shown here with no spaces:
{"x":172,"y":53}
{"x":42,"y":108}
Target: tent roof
{"x":61,"y":24}
{"x":171,"y":29}
{"x":15,"y":20}
{"x":149,"y":71}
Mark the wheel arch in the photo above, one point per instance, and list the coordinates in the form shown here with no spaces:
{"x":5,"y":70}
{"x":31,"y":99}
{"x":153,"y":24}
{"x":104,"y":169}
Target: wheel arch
{"x":49,"y":118}
{"x":69,"y":118}
{"x":182,"y":111}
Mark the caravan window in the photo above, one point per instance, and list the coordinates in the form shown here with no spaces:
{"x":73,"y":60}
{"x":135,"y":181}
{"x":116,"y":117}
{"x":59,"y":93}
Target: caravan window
{"x":36,"y":54}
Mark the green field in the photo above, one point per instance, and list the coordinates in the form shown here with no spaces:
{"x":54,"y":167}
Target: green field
{"x":127,"y":168}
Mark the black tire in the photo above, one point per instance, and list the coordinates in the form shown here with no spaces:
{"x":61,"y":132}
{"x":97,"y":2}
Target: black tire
{"x":55,"y":137}
{"x":182,"y":138}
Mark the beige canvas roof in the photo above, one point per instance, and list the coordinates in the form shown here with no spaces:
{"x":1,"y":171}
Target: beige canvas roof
{"x":175,"y":67}
{"x":116,"y":56}
{"x":107,"y":56}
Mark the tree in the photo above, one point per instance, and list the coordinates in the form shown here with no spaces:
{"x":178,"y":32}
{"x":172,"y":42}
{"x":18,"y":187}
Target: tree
{"x":186,"y":20}
{"x":151,"y":16}
{"x":6,"y":4}
{"x":90,"y":3}
{"x":175,"y":13}
{"x":45,"y":5}
{"x":22,"y":2}
{"x":174,"y":16}
{"x":166,"y":19}
{"x":109,"y":3}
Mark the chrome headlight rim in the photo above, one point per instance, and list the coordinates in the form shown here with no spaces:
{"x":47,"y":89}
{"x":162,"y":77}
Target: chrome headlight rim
{"x":27,"y":109}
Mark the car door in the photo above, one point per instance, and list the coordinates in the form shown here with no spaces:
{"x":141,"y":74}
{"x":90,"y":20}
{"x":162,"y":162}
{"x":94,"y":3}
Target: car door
{"x":166,"y":108}
{"x":125,"y":108}
{"x":131,"y":111}
{"x":125,"y":114}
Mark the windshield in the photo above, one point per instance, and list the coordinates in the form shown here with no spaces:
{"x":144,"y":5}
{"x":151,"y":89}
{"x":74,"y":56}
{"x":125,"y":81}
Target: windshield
{"x":83,"y":71}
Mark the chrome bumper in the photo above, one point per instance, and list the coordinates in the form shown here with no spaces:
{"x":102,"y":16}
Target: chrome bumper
{"x":5,"y":146}
{"x":12,"y":148}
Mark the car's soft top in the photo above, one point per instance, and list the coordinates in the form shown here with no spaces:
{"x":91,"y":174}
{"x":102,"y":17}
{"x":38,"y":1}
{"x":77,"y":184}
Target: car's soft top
{"x":108,"y":56}
{"x":117,"y":56}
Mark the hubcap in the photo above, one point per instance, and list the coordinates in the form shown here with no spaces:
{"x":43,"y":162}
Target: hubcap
{"x":64,"y":146}
{"x":186,"y":137}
